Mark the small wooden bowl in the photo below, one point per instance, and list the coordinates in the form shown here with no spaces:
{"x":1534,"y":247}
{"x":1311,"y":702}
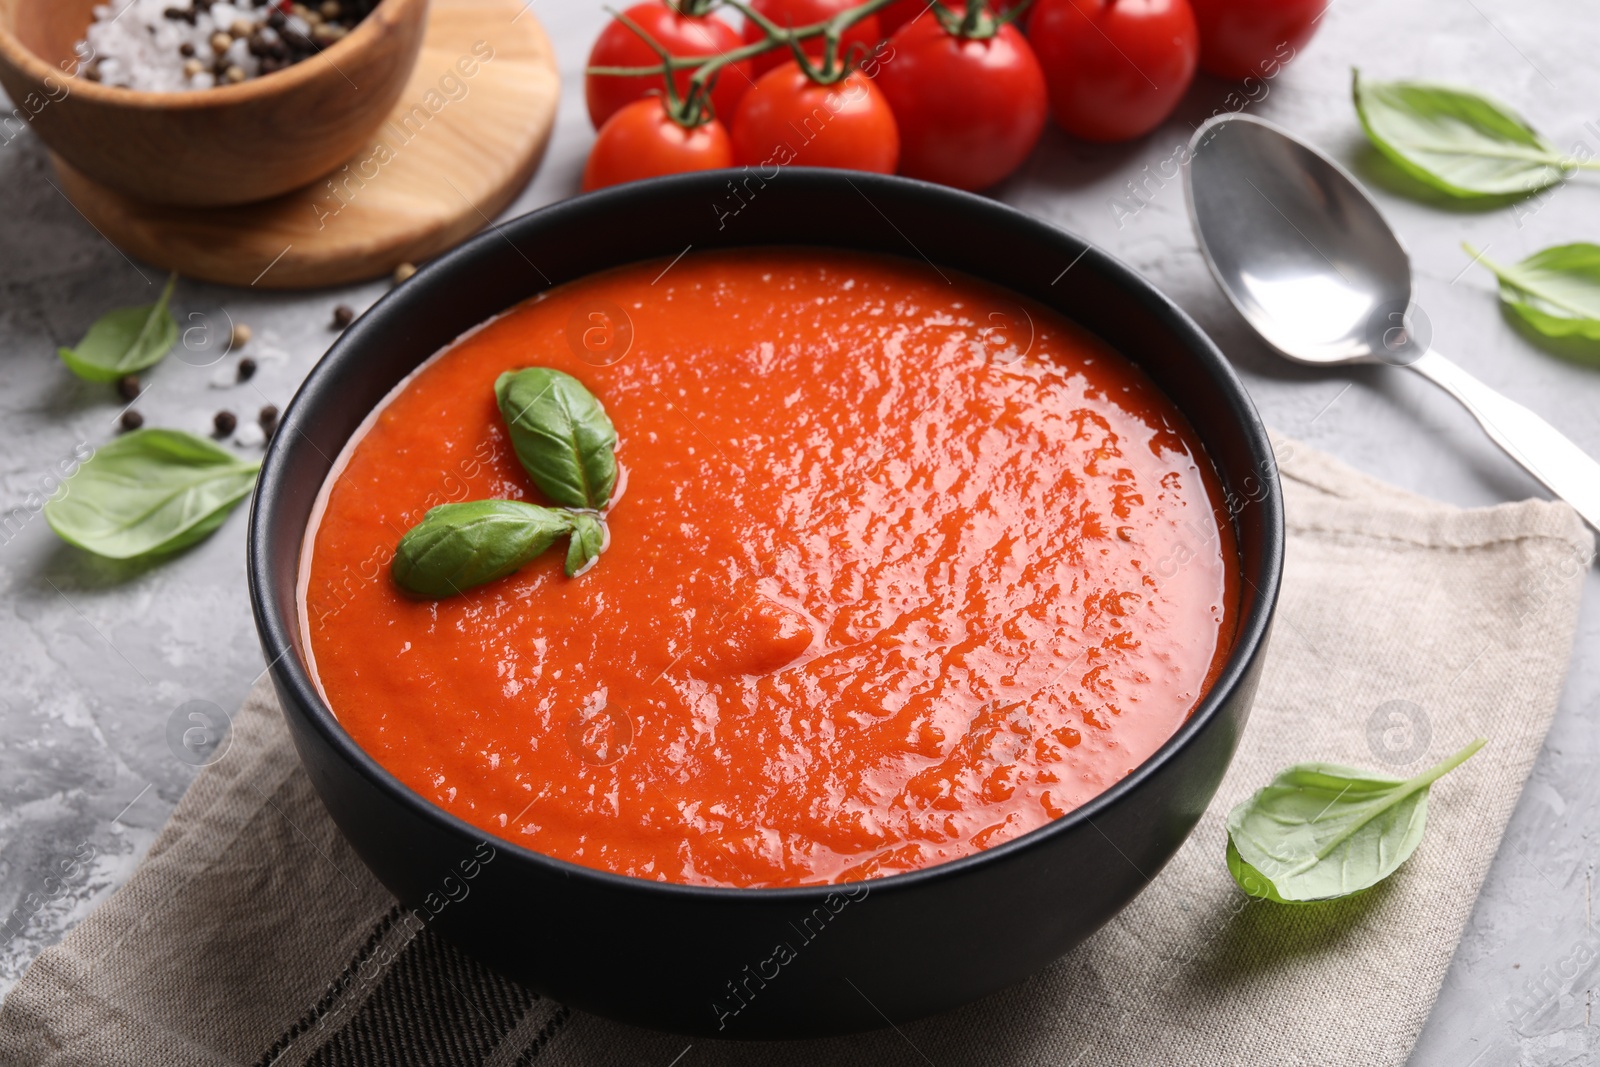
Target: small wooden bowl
{"x":231,"y":145}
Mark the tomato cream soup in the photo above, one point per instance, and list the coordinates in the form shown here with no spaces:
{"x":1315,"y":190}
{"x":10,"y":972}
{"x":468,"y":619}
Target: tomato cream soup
{"x":900,"y":567}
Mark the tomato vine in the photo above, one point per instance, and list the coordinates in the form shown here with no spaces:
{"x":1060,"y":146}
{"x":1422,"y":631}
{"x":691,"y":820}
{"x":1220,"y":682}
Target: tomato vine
{"x":691,"y":108}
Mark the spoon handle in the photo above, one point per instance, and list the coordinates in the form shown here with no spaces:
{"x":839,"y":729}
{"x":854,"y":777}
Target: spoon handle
{"x":1547,"y":454}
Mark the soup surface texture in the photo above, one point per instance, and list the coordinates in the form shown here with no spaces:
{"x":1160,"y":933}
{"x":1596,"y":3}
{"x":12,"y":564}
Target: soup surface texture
{"x":900,"y":567}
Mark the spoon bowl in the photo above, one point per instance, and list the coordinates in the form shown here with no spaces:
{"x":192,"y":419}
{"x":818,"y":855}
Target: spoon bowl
{"x":1297,"y":246}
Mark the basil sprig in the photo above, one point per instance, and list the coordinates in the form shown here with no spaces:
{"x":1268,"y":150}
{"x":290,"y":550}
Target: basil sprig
{"x":150,"y":491}
{"x":566,"y":443}
{"x":458,"y":546}
{"x":1458,"y":142}
{"x":561,"y":434}
{"x":1320,"y":831}
{"x":125,"y":341}
{"x":1556,"y":291}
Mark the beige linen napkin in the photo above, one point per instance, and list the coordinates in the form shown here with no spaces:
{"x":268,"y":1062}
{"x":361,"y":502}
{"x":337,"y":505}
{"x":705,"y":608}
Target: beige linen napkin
{"x":251,"y":934}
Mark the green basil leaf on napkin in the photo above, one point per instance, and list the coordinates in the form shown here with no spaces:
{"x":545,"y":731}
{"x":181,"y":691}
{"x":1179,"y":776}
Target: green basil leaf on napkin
{"x":149,"y":491}
{"x":1556,"y":291}
{"x":458,"y":546}
{"x":1322,"y":831}
{"x":588,"y":539}
{"x":125,"y":341}
{"x":561,"y":434}
{"x":1456,"y":141}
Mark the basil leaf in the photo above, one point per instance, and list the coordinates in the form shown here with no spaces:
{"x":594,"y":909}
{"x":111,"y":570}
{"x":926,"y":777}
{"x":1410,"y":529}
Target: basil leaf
{"x":1252,"y":881}
{"x":1321,"y":831}
{"x":458,"y":546}
{"x":561,"y":434}
{"x":125,"y":340}
{"x":1556,"y":291}
{"x":149,"y":491}
{"x":588,"y":541}
{"x":1455,"y":141}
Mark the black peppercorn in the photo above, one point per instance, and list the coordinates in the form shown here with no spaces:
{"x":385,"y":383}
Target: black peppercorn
{"x":131,"y":420}
{"x":129,"y":386}
{"x":225,"y":423}
{"x":343,"y":315}
{"x":247,"y":369}
{"x":268,"y":419}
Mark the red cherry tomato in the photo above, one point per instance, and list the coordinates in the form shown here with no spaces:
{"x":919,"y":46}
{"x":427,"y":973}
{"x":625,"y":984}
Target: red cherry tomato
{"x":680,"y":35}
{"x":643,"y":141}
{"x":788,"y":13}
{"x":1241,"y":38}
{"x":897,"y":14}
{"x":1115,"y":68}
{"x":969,"y":110}
{"x":788,"y":118}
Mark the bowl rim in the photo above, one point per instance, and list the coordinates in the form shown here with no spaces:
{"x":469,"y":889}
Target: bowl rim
{"x":28,"y":62}
{"x":291,"y":673}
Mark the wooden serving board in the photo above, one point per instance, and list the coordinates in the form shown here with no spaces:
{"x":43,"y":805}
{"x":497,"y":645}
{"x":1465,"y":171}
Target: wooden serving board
{"x":464,"y":140}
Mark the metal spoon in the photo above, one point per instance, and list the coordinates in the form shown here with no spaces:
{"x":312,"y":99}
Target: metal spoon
{"x":1304,"y":255}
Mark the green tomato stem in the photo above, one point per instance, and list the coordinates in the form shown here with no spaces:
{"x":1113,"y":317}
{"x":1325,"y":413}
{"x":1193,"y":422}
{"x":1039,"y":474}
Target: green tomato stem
{"x":693,"y":109}
{"x":977,"y":22}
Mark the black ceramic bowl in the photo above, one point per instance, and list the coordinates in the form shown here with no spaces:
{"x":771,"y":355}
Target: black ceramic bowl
{"x":708,"y":961}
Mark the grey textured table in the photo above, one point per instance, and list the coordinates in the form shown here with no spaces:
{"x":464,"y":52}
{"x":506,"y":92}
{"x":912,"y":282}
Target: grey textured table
{"x":98,"y":657}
